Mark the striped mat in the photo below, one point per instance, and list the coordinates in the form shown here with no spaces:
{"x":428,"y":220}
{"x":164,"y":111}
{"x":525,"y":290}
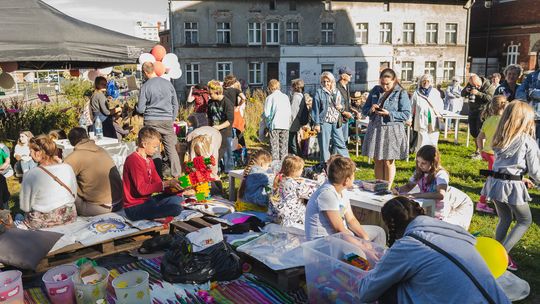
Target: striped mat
{"x":246,"y":289}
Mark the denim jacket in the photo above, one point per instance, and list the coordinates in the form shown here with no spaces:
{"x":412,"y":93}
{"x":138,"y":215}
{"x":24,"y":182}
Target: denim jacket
{"x":504,"y":89}
{"x":320,"y":105}
{"x":529,"y":90}
{"x":398,"y":104}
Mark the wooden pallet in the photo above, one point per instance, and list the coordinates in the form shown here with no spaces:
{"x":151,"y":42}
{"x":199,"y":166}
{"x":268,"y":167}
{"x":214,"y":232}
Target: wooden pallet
{"x":76,"y":251}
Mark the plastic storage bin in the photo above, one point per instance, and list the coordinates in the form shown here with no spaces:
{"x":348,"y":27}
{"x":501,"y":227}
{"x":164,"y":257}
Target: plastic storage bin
{"x":11,"y":287}
{"x":132,"y":288}
{"x":331,"y":280}
{"x":60,"y":292}
{"x":91,"y":293}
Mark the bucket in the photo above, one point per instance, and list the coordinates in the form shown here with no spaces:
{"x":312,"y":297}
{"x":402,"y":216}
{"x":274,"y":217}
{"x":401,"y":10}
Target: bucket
{"x":91,"y":293}
{"x":62,"y":291}
{"x":132,"y":288}
{"x":11,"y":288}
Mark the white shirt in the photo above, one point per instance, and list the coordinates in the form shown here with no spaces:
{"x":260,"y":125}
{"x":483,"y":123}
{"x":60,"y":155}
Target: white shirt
{"x":326,"y":198}
{"x":23,"y":152}
{"x":277,"y":111}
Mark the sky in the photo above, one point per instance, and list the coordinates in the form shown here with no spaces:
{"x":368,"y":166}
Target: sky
{"x":117,"y":15}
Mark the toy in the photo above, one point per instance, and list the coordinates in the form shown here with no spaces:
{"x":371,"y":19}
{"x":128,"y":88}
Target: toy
{"x":357,"y":261}
{"x":198,"y":176}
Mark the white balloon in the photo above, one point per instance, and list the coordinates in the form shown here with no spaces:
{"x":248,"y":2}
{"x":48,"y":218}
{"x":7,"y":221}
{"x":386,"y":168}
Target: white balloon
{"x":166,"y":76}
{"x":30,"y":77}
{"x":170,"y":60}
{"x":6,"y":81}
{"x":146,"y":57}
{"x":93,"y":74}
{"x":175,"y":73}
{"x":105,"y":71}
{"x":85,"y":75}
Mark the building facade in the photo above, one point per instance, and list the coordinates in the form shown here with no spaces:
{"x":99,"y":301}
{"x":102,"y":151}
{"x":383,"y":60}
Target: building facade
{"x":259,"y":40}
{"x":148,"y":30}
{"x":505,"y":32}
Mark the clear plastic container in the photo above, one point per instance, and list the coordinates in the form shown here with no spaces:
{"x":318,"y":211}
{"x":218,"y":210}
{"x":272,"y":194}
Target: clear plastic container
{"x":60,"y":292}
{"x":11,"y":287}
{"x":91,"y":293}
{"x":331,"y":280}
{"x":132,"y":288}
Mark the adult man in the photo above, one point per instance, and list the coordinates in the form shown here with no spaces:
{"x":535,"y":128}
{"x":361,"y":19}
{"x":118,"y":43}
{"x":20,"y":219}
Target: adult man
{"x":479,"y":91}
{"x":159,"y":105}
{"x":342,"y":85}
{"x":99,"y":185}
{"x":452,"y":100}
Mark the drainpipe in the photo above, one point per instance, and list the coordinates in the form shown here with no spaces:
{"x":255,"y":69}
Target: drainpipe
{"x":468,"y":7}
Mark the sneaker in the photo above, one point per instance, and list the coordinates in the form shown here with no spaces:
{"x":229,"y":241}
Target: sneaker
{"x":511,"y":264}
{"x":476,"y":156}
{"x":482,"y":207}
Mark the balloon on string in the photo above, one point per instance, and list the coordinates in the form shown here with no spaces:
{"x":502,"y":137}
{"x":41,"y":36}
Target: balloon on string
{"x":170,"y":60}
{"x":159,"y":68}
{"x":9,"y":66}
{"x":493,"y":254}
{"x":166,"y":76}
{"x":92,"y":74}
{"x":146,"y":57}
{"x":30,"y":77}
{"x":6,"y":81}
{"x":74,"y":73}
{"x":159,"y":52}
{"x":105,"y":71}
{"x":175,"y":73}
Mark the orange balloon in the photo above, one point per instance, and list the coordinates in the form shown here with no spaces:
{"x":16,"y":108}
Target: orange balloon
{"x":74,"y":73}
{"x":159,"y":68}
{"x":159,"y":52}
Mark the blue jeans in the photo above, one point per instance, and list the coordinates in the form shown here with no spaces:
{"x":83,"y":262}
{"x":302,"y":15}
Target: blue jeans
{"x":330,"y":131}
{"x":159,"y":206}
{"x":345,"y":129}
{"x":22,"y":167}
{"x":227,"y":151}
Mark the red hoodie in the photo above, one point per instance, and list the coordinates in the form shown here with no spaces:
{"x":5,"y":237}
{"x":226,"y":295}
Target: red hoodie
{"x":140,"y":180}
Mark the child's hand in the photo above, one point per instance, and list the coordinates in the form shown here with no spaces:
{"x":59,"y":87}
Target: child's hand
{"x":172,"y":183}
{"x":189,"y":192}
{"x":395,"y":191}
{"x":528,"y":183}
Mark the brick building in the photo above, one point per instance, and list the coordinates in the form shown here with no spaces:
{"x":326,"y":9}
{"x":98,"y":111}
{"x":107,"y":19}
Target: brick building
{"x":506,"y":32}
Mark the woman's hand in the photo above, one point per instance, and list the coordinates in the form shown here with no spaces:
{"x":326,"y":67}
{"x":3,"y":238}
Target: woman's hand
{"x":374,"y":108}
{"x":382,"y":112}
{"x":317,"y":129}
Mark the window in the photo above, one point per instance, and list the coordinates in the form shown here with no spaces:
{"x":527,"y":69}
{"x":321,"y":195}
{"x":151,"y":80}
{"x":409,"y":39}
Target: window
{"x":292,"y":32}
{"x":224,"y":33}
{"x":254,"y":33}
{"x":383,"y":65}
{"x":512,"y":54}
{"x":431,"y":68}
{"x":192,"y":73}
{"x":386,"y":6}
{"x":191,"y":33}
{"x":255,"y":73}
{"x":272,"y":4}
{"x":292,"y":5}
{"x":431,"y":33}
{"x":362,"y":33}
{"x":327,"y":32}
{"x":449,"y":70}
{"x":451,"y":33}
{"x":327,"y":68}
{"x":386,"y":33}
{"x":272,"y":33}
{"x":223,"y":69}
{"x":360,"y":72}
{"x":407,"y":70}
{"x":408,"y":33}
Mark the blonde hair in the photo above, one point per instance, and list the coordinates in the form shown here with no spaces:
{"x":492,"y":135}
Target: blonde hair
{"x":274,"y":85}
{"x":290,"y":165}
{"x":259,"y":158}
{"x":44,"y":143}
{"x":215,"y":86}
{"x":495,"y":106}
{"x":517,"y":119}
{"x":200,"y":146}
{"x":330,"y":77}
{"x":514,"y":67}
{"x":28,"y":134}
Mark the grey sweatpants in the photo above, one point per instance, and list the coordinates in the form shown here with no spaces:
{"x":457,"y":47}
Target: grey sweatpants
{"x":523,"y":219}
{"x":279,"y":141}
{"x":165,"y":128}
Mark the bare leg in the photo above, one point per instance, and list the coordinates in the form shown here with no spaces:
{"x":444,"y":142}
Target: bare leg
{"x":389,"y":171}
{"x":379,"y":169}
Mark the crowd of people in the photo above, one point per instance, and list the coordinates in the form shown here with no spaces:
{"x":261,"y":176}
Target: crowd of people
{"x":55,"y":190}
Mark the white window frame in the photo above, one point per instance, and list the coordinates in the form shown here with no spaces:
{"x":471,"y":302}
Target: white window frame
{"x":327,"y":33}
{"x":191,"y":32}
{"x":432,"y":70}
{"x":451,"y":34}
{"x":407,"y":71}
{"x":362,"y":33}
{"x":409,"y":34}
{"x":292,"y":32}
{"x":253,"y":79}
{"x":225,"y":72}
{"x":512,"y":54}
{"x":272,"y":33}
{"x":254,"y":33}
{"x":432,"y":33}
{"x":222,"y":32}
{"x":190,"y":73}
{"x":449,"y":70}
{"x":385,"y":34}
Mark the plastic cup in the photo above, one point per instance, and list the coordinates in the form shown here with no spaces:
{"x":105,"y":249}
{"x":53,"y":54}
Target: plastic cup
{"x":91,"y":293}
{"x":60,"y":292}
{"x":11,"y":287}
{"x":132,"y":287}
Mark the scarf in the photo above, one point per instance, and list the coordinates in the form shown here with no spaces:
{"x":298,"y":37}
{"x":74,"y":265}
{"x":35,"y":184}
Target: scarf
{"x":425,"y":91}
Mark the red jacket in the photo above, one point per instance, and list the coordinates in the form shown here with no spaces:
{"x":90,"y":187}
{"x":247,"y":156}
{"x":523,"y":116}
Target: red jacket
{"x":140,"y":180}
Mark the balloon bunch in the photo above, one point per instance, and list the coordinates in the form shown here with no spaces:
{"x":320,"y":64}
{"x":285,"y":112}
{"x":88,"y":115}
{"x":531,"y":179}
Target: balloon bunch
{"x":92,"y":74}
{"x":165,"y":65}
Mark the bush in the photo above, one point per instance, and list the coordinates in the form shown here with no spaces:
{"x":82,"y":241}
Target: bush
{"x":254,"y":110}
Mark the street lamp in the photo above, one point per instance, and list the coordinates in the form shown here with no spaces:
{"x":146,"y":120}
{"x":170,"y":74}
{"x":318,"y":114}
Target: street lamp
{"x":489,"y":5}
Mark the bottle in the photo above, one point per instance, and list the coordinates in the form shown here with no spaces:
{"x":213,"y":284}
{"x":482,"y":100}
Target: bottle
{"x":98,"y":128}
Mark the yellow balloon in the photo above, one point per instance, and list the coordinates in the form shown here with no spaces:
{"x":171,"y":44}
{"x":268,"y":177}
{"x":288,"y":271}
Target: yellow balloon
{"x":493,"y":254}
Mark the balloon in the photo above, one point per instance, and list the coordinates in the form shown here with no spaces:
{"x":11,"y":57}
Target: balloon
{"x":175,"y":73}
{"x":159,"y":52}
{"x":493,"y":254}
{"x":165,"y":76}
{"x":146,"y":57}
{"x":105,"y":71}
{"x":170,"y":60}
{"x":85,"y":75}
{"x":30,"y":77}
{"x":74,"y":73}
{"x":9,"y":66}
{"x":159,"y":68}
{"x":6,"y":81}
{"x":92,"y":74}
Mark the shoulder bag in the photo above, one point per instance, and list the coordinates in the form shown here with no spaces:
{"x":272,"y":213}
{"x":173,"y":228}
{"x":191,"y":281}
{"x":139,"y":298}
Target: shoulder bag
{"x":57,"y":180}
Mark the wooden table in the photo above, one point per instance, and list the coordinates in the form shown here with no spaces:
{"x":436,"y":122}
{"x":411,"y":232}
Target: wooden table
{"x":234,"y":174}
{"x":105,"y":142}
{"x":369,"y":200}
{"x":457,"y":117}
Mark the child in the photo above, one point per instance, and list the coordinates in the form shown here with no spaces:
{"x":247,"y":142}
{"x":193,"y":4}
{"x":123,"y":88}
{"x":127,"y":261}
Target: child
{"x":200,"y":148}
{"x":5,"y":161}
{"x":118,"y":123}
{"x":329,"y":211}
{"x":140,"y":180}
{"x":290,"y":189}
{"x":493,"y":112}
{"x":255,"y":187}
{"x":516,"y":154}
{"x":452,"y":205}
{"x":22,"y":154}
{"x":221,"y":116}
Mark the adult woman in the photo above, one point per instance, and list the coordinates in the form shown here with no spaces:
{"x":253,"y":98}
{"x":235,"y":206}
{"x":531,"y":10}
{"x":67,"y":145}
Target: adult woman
{"x":277,"y":113}
{"x":298,"y":108}
{"x":48,"y":191}
{"x":100,"y":107}
{"x":530,"y":91}
{"x":453,"y":101}
{"x":326,"y":114}
{"x":509,"y":86}
{"x":411,"y":271}
{"x":388,"y":107}
{"x":427,"y":106}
